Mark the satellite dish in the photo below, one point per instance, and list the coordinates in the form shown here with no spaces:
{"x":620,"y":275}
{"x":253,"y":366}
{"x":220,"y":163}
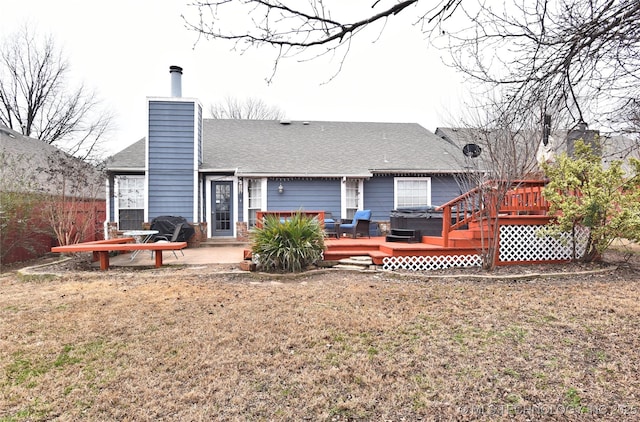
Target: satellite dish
{"x":472,"y":150}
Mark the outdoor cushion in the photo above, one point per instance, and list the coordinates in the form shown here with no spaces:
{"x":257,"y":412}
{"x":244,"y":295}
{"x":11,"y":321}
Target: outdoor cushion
{"x":359,"y":215}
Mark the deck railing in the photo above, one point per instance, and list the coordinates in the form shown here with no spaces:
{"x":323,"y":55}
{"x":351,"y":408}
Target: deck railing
{"x":522,"y":197}
{"x":283,"y":215}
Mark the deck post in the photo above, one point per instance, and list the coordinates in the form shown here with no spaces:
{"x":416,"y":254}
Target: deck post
{"x":446,"y":225}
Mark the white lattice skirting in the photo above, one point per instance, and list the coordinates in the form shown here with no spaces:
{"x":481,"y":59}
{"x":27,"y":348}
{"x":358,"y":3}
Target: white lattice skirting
{"x":525,"y":243}
{"x":423,"y":263}
{"x":518,"y":243}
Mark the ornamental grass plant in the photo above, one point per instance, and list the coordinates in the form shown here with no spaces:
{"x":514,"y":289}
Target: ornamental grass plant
{"x":287,"y":245}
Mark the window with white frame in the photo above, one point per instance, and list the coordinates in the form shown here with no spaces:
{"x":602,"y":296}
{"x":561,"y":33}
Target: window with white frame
{"x":352,"y":197}
{"x":130,"y":201}
{"x":412,"y":192}
{"x":254,"y":199}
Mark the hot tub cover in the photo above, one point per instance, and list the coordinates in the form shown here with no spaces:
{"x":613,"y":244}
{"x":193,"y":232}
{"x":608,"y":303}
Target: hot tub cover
{"x":417,"y":212}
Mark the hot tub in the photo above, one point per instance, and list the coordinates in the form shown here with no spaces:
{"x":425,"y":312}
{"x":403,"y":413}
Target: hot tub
{"x":425,"y":220}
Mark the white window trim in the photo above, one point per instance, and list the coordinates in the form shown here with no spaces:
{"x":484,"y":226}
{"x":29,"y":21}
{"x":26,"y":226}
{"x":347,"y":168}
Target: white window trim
{"x":343,"y":196}
{"x":395,"y":188}
{"x":245,"y":197}
{"x":116,"y":194}
{"x":207,"y":218}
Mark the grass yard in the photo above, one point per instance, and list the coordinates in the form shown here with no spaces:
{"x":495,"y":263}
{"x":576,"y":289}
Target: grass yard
{"x":190,"y":344}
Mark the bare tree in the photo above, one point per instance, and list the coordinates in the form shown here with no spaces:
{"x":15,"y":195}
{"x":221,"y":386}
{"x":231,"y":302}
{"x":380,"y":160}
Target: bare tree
{"x":579,"y":59}
{"x":499,"y":147}
{"x":250,"y":108}
{"x":73,"y":207}
{"x":36,"y":99}
{"x":316,"y":26}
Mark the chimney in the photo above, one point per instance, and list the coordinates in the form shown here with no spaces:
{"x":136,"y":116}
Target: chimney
{"x":176,"y":81}
{"x":582,"y":131}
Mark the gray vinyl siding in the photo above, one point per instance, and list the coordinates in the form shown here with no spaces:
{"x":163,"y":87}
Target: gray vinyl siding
{"x":379,"y":194}
{"x":378,"y":197}
{"x":170,"y":159}
{"x":310,"y":195}
{"x":444,"y":189}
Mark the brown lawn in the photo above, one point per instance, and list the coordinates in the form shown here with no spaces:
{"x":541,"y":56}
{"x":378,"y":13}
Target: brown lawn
{"x":193,"y":344}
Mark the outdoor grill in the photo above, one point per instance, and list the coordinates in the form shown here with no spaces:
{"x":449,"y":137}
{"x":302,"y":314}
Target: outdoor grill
{"x":166,"y":225}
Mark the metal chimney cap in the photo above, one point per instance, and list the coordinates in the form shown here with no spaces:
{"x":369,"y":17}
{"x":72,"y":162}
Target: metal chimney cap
{"x":175,"y":69}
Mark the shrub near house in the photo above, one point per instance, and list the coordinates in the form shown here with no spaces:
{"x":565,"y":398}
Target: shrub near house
{"x":584,"y":193}
{"x":24,"y":234}
{"x":290,"y":245}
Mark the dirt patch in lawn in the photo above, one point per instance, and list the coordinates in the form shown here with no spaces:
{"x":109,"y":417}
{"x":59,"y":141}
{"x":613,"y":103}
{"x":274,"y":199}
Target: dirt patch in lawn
{"x":213,"y":343}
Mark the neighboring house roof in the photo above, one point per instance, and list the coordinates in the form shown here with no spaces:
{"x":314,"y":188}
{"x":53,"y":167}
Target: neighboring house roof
{"x":612,"y":147}
{"x":129,"y":159}
{"x":312,"y":149}
{"x":457,"y":136}
{"x":461,"y":136}
{"x":31,"y":158}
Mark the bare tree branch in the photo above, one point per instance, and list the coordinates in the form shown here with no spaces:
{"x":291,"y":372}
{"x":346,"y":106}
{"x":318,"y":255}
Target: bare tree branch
{"x":575,"y":59}
{"x":295,"y":26}
{"x":35,"y":98}
{"x":249,"y":108}
{"x":578,"y":58}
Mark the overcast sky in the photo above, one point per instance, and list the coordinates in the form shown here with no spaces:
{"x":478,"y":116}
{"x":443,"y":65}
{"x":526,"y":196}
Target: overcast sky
{"x":123,"y":50}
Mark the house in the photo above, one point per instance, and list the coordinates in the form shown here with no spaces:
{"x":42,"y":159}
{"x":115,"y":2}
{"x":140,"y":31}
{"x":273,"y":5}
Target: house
{"x":221,"y":172}
{"x":546,"y":148}
{"x":38,"y":183}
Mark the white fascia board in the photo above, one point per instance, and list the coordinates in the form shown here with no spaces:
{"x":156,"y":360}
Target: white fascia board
{"x":400,"y":171}
{"x":318,"y":175}
{"x":196,"y":160}
{"x":175,"y":99}
{"x":126,"y":169}
{"x":211,"y":170}
{"x":146,"y":163}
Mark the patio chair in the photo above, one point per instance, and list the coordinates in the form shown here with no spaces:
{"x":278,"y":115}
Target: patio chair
{"x":359,"y":224}
{"x":330,"y":225}
{"x":174,"y":238}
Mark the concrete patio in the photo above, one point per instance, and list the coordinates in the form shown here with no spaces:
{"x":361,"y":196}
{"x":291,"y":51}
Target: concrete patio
{"x":228,"y":254}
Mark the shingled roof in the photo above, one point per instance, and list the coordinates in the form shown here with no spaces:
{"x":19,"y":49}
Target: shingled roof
{"x":313,"y":149}
{"x":33,"y":158}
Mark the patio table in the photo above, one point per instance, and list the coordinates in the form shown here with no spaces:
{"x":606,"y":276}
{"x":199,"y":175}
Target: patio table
{"x":141,"y":236}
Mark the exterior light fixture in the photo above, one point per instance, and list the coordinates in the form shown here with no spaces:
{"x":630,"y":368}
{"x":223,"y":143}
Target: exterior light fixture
{"x":280,"y":188}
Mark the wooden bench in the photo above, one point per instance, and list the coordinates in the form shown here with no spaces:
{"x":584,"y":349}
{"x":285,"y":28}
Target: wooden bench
{"x":101,"y":248}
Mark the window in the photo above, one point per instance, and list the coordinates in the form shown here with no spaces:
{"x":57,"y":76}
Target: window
{"x":130,"y":202}
{"x":412,"y":192}
{"x":254,"y":199}
{"x":352,"y":197}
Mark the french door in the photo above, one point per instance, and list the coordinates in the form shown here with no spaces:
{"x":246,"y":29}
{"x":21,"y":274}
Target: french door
{"x":222,"y":208}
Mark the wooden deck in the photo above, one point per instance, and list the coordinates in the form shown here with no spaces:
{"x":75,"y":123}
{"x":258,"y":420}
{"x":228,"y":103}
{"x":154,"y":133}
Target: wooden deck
{"x":459,"y":242}
{"x":462,"y":234}
{"x":378,"y":249}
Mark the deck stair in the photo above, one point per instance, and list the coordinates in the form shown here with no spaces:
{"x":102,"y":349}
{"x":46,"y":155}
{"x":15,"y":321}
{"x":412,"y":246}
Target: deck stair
{"x":347,"y":248}
{"x":473,"y":236}
{"x":356,"y":263}
{"x":214,"y":242}
{"x":404,"y":235}
{"x":463,"y":233}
